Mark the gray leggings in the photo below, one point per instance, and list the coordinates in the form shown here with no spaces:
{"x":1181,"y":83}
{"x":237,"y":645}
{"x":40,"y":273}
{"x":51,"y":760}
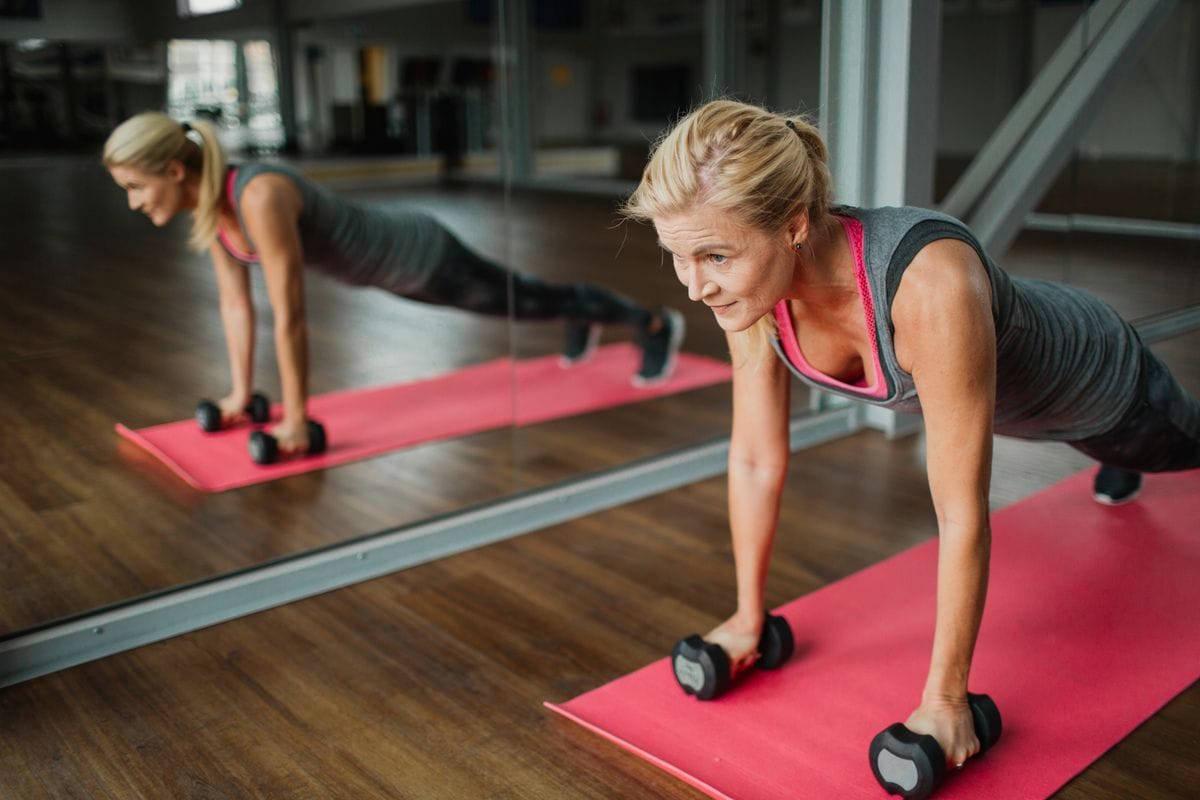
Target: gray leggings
{"x":1159,"y":433}
{"x":468,"y":281}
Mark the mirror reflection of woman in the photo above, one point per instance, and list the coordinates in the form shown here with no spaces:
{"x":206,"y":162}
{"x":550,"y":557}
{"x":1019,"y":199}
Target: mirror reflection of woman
{"x":902,"y":308}
{"x":269,"y":215}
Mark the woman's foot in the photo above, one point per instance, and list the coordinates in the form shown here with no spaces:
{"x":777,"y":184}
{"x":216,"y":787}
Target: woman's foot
{"x":582,"y":338}
{"x":1115,"y":486}
{"x":660,"y":345}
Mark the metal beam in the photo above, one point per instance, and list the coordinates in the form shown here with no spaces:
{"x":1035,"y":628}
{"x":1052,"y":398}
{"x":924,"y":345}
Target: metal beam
{"x":85,"y":637}
{"x":965,"y":195}
{"x":1035,"y":162}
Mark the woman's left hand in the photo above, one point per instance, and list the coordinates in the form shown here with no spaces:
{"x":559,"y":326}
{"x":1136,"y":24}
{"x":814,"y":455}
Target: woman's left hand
{"x":950,"y":722}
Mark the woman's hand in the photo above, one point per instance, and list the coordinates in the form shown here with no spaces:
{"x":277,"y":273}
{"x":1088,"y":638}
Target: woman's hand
{"x":233,"y":408}
{"x":292,"y":437}
{"x":738,"y":637}
{"x":949,"y":721}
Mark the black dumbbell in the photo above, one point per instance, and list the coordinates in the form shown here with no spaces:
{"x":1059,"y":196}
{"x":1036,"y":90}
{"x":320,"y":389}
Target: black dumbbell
{"x":264,"y":448}
{"x":913,"y":765}
{"x":208,"y":413}
{"x":702,"y":668}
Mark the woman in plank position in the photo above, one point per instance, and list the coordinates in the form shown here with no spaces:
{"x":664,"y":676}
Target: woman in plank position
{"x":899,"y":307}
{"x":270,"y":215}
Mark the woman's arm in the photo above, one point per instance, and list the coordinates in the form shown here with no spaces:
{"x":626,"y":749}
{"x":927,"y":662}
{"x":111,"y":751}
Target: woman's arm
{"x":758,"y":459}
{"x":237,"y":318}
{"x":270,"y":206}
{"x":945,"y":337}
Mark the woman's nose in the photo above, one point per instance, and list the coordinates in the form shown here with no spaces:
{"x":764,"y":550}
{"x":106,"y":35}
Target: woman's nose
{"x":697,"y":285}
{"x":134,"y":205}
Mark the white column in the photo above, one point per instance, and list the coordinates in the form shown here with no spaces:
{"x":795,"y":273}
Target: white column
{"x":879,"y":105}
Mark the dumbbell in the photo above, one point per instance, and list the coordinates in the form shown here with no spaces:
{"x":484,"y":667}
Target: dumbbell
{"x":264,"y":448}
{"x":913,"y":765}
{"x":702,"y":668}
{"x":208,"y":413}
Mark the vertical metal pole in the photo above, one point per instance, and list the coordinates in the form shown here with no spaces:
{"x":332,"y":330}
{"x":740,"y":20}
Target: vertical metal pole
{"x":285,"y":70}
{"x":517,"y":108}
{"x":879,"y":113}
{"x":722,"y":47}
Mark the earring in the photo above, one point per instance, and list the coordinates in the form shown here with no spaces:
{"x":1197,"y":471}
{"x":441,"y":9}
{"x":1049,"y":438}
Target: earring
{"x":798,"y":246}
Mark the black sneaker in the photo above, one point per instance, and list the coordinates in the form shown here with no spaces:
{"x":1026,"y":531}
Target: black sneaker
{"x":660,"y":348}
{"x":1115,"y":486}
{"x":582,"y":338}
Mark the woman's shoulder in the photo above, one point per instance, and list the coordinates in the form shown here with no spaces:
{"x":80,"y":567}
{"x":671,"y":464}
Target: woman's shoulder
{"x":897,"y":215}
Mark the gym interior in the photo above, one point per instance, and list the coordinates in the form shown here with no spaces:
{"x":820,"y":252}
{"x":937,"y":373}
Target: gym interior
{"x":392,"y":626}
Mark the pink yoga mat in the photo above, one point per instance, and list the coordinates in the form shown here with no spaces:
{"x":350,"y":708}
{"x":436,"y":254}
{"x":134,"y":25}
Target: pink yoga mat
{"x":1092,"y":625}
{"x":367,"y":422}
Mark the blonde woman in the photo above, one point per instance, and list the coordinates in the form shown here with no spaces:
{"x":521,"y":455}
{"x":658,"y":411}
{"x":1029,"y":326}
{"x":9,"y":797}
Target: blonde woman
{"x":902,"y":308}
{"x":270,"y":216}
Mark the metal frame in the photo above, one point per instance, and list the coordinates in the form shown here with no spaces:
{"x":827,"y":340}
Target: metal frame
{"x":1028,"y":153}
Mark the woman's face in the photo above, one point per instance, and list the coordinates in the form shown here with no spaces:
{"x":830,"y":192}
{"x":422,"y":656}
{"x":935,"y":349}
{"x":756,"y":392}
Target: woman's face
{"x":738,"y":271}
{"x":159,"y":197}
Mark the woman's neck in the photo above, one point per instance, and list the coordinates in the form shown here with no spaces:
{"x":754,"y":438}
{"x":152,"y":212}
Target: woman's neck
{"x":824,"y":269}
{"x":190,"y":191}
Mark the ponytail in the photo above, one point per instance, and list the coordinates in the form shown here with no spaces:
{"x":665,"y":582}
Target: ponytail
{"x":212,"y":178}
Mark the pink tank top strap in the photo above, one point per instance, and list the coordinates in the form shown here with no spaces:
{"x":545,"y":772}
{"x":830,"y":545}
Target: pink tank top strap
{"x":791,"y":346}
{"x":230,"y":247}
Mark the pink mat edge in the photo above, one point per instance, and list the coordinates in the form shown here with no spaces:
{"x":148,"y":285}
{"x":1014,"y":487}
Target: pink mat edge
{"x":141,"y":441}
{"x":650,"y":758}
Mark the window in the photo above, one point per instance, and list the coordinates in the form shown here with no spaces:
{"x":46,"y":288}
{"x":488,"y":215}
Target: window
{"x":195,"y":8}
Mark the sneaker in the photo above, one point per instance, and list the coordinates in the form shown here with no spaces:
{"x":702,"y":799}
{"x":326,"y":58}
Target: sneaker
{"x":582,"y":338}
{"x":1115,"y":486}
{"x":659,"y":349}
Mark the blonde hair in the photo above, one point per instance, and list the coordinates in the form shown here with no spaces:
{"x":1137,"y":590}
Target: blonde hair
{"x":763,"y":168}
{"x":151,"y":141}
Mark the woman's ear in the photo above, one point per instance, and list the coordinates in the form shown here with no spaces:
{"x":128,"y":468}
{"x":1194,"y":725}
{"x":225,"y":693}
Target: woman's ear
{"x":175,"y":171}
{"x":798,"y":229}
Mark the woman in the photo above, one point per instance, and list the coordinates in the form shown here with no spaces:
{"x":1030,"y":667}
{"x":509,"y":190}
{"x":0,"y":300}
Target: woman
{"x":270,"y":215}
{"x":899,"y":307}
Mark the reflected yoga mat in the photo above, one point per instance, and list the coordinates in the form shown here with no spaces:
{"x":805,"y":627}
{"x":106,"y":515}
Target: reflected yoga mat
{"x":1092,"y":624}
{"x":367,"y":422}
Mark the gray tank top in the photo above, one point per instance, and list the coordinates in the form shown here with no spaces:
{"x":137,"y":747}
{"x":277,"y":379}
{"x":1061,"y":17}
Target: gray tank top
{"x":1066,"y":362}
{"x":393,"y":248}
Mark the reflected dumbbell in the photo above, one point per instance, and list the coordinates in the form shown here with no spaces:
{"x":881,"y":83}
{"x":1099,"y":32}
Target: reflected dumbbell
{"x":208,"y":413}
{"x":702,"y":668}
{"x":913,"y":765}
{"x":264,"y":448}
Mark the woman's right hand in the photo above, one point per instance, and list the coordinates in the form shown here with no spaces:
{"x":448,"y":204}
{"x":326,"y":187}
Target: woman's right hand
{"x":739,"y":638}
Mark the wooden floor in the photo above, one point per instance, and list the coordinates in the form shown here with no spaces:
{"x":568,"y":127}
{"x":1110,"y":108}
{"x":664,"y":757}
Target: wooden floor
{"x":427,"y":683}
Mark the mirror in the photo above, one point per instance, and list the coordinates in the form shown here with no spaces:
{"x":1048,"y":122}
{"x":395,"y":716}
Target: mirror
{"x":105,"y":319}
{"x":109,"y":319}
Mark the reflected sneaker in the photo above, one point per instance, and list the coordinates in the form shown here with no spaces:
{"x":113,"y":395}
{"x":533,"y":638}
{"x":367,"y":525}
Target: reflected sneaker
{"x":660,"y":348}
{"x":582,"y":338}
{"x":1115,"y":486}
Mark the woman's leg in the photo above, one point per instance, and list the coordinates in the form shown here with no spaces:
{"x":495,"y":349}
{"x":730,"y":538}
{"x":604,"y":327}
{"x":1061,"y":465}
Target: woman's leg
{"x":468,"y":281}
{"x":1159,"y":433}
